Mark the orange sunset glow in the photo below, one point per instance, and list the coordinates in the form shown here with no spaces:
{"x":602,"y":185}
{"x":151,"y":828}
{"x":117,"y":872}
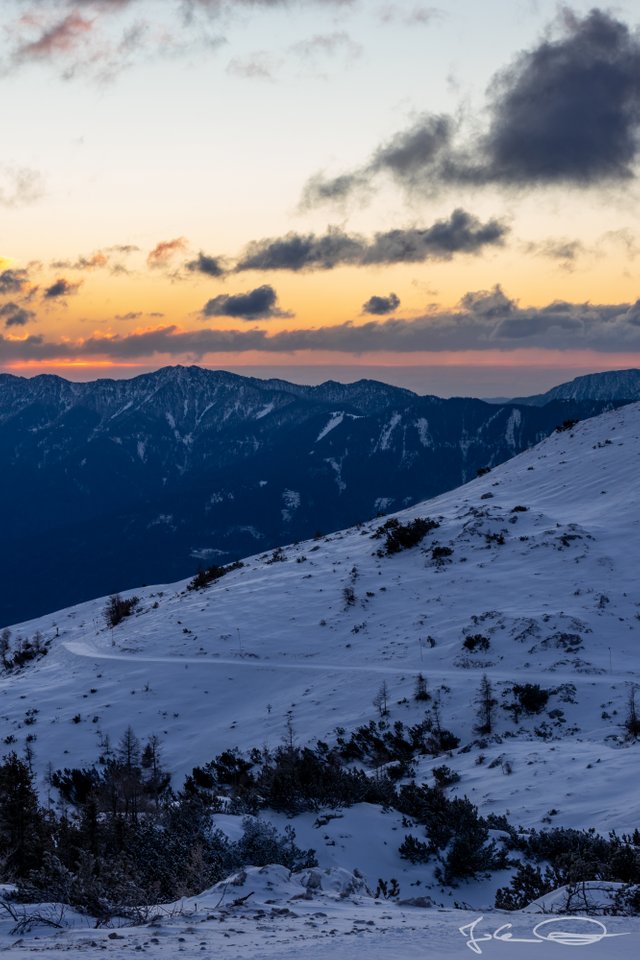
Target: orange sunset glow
{"x":149,"y":225}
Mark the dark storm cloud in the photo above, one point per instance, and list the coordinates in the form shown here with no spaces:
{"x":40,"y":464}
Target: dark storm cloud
{"x":460,"y":233}
{"x":13,"y":281}
{"x":565,"y":112}
{"x":409,"y":152}
{"x":258,"y":304}
{"x":302,"y":252}
{"x":380,"y":306}
{"x":14,"y":315}
{"x":483,"y":320}
{"x":569,"y":110}
{"x":210,"y":266}
{"x":61,"y":288}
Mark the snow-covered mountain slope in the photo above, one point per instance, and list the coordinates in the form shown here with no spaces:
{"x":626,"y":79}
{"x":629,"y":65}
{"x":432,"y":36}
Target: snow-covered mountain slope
{"x":186,"y":465}
{"x":543,"y":566}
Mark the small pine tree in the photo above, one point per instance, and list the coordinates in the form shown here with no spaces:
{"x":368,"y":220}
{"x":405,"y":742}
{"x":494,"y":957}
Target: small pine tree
{"x":129,"y":750}
{"x":381,"y":700}
{"x":632,"y":721}
{"x":22,"y":833}
{"x":420,"y":691}
{"x":486,"y":706}
{"x":156,"y":779}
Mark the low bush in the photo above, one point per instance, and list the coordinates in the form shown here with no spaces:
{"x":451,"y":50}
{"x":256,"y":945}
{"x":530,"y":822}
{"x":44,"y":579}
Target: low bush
{"x":118,"y":609}
{"x":402,"y":536}
{"x":204,"y":577}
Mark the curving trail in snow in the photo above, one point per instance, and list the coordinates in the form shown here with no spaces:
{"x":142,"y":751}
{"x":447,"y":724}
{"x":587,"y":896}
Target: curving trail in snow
{"x":251,"y":661}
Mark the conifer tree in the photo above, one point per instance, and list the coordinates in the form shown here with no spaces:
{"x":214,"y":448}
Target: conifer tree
{"x":486,"y":706}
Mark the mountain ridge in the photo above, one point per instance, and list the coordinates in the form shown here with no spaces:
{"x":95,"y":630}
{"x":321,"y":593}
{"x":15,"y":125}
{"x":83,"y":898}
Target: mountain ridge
{"x":613,"y":385}
{"x":184,"y":466}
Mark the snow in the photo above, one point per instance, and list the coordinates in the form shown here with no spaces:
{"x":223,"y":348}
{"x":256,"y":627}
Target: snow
{"x":265,"y":411}
{"x":334,"y":421}
{"x":422,"y":425}
{"x":322,"y":914}
{"x":514,"y":421}
{"x":291,"y":501}
{"x":336,"y":466}
{"x":384,"y":440}
{"x":223,"y":667}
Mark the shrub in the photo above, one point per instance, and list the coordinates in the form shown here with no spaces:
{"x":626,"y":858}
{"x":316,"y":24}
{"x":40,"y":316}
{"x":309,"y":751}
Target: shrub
{"x":24,"y":651}
{"x":566,"y":425}
{"x":526,"y":885}
{"x":476,"y":641}
{"x":444,"y":776}
{"x":494,"y":538}
{"x":531,"y":696}
{"x":402,"y":536}
{"x":348,"y":596}
{"x":440,"y":554}
{"x":117,"y":609}
{"x":415,"y":851}
{"x":204,"y":577}
{"x":452,"y":827}
{"x":278,"y":556}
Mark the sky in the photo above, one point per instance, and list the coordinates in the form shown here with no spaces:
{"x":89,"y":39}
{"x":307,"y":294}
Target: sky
{"x":441,"y":196}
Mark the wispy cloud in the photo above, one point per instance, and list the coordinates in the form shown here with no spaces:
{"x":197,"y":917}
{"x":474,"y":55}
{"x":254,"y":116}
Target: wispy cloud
{"x":62,"y":37}
{"x":20,"y":186}
{"x":418,"y":15}
{"x":101,"y":38}
{"x":93,"y":262}
{"x":259,"y":65}
{"x":165,"y":250}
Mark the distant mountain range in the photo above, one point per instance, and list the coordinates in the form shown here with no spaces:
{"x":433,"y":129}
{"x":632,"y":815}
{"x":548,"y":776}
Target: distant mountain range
{"x":116,"y":483}
{"x":614,"y":385}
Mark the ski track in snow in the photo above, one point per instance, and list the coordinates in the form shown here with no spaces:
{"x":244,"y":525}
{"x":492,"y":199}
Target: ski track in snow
{"x":251,"y":662}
